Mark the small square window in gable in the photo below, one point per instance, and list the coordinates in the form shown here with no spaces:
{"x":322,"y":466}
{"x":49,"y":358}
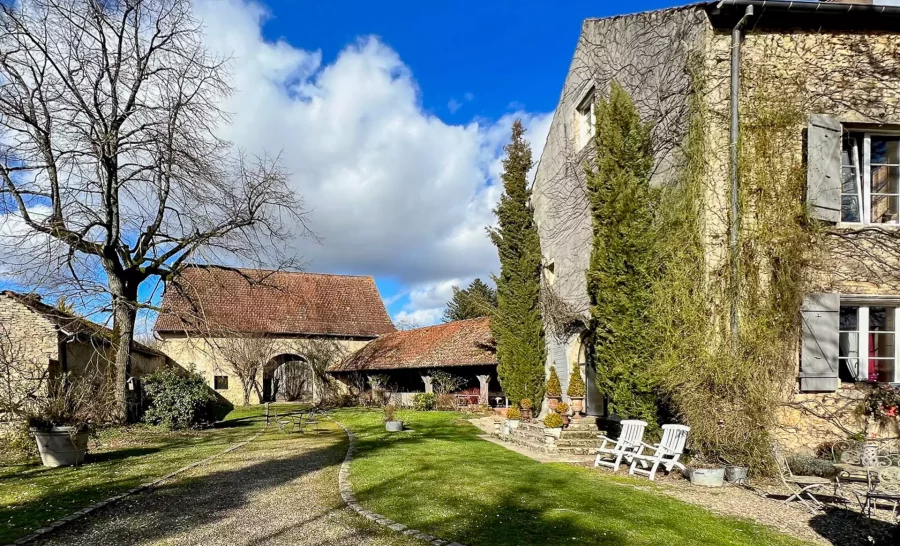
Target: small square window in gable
{"x":220,"y":382}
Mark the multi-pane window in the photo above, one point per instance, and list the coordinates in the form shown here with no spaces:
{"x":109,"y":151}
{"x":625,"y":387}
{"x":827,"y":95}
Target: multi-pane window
{"x":867,"y":348}
{"x":870,"y":182}
{"x":220,"y":382}
{"x":584,"y":119}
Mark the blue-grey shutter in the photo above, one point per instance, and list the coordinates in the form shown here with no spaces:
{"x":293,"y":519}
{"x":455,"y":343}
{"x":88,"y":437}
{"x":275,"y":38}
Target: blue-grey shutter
{"x":823,"y":168}
{"x":819,"y":352}
{"x":558,"y":359}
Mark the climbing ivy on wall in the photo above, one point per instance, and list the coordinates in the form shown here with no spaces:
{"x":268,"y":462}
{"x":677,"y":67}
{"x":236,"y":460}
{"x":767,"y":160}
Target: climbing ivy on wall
{"x":623,"y":263}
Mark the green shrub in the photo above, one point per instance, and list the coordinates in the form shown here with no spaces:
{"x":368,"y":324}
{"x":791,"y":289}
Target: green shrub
{"x":804,"y":465}
{"x":554,"y":389}
{"x":576,"y":383}
{"x":513,"y":413}
{"x":424,"y":401}
{"x":178,"y":400}
{"x":553,"y":420}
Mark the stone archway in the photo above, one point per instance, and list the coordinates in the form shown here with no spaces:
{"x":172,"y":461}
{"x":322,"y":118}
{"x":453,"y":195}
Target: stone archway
{"x":287,"y":377}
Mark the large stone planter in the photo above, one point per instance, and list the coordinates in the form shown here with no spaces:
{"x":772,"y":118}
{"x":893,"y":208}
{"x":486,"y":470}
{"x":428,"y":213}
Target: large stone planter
{"x":393,"y":426}
{"x":61,"y":446}
{"x":708,"y":477}
{"x":551,"y":435}
{"x":513,"y":423}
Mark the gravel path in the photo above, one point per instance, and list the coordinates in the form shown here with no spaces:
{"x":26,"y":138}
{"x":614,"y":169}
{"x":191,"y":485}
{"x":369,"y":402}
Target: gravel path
{"x":279,"y":489}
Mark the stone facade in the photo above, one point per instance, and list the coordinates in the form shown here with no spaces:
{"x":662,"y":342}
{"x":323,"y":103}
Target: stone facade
{"x":203,"y":355}
{"x":851,"y":76}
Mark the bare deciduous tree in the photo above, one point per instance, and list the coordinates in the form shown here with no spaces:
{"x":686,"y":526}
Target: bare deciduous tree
{"x":320,"y":353}
{"x":246,"y":358}
{"x":22,"y":379}
{"x":111,"y":172}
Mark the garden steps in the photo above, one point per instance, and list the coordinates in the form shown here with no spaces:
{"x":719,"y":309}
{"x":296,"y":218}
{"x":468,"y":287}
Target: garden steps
{"x":578,"y":439}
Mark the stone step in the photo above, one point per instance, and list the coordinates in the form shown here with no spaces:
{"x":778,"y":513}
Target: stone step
{"x":537,"y":438}
{"x":577,"y":450}
{"x":538,"y":446}
{"x":579,"y":434}
{"x":533,"y":426}
{"x":568,"y":442}
{"x":583,"y":424}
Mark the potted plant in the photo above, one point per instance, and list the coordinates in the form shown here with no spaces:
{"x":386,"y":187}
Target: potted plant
{"x":553,"y":425}
{"x":576,"y":391}
{"x":563,"y":410}
{"x":525,"y":404}
{"x":391,"y":423}
{"x":554,"y":389}
{"x":513,"y":416}
{"x":60,"y":421}
{"x":706,"y":474}
{"x":878,"y":408}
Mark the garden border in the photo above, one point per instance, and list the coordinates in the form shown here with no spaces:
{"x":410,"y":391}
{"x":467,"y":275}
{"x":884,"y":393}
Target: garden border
{"x":350,"y":499}
{"x":139,"y":489}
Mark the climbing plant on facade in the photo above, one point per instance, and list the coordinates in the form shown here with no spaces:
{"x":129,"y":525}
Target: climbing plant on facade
{"x":517,"y":325}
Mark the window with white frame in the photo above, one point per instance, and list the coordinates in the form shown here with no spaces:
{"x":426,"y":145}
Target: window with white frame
{"x":867,"y":349}
{"x":584,"y":119}
{"x":870,"y":181}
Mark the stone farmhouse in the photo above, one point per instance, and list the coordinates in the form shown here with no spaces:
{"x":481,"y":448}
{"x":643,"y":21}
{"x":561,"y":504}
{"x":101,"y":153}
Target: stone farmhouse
{"x":50,"y":342}
{"x":840,"y":65}
{"x":209,"y":308}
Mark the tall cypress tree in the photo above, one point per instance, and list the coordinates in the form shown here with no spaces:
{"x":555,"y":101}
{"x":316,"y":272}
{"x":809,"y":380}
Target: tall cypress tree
{"x":517,"y":325}
{"x":622,"y":267}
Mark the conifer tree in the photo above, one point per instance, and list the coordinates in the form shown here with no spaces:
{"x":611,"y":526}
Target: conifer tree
{"x":517,"y":325}
{"x":622,"y":267}
{"x":478,"y":300}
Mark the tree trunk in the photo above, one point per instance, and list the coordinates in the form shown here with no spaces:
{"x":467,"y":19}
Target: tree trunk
{"x":124,"y":315}
{"x":247,"y":384}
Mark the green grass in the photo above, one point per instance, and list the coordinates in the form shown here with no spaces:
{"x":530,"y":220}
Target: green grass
{"x":32,"y":496}
{"x":442,"y":479}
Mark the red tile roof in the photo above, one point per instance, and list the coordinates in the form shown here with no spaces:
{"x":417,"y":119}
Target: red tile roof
{"x":215,"y":298}
{"x":459,"y":343}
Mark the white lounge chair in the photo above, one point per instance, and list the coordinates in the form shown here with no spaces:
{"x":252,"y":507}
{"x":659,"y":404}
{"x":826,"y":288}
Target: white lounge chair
{"x":665,"y":454}
{"x":628,"y":443}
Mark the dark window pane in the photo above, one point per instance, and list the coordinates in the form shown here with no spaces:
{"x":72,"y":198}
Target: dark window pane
{"x":884,"y":209}
{"x":849,"y":208}
{"x":220,"y":382}
{"x":881,"y":319}
{"x":885,"y":150}
{"x":848,"y":180}
{"x":848,"y":371}
{"x":849,"y":318}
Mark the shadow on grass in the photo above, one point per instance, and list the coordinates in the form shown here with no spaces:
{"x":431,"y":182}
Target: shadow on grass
{"x":118,"y":454}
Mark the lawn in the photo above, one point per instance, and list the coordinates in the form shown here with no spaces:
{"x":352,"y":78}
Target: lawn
{"x":442,"y":479}
{"x":32,"y":496}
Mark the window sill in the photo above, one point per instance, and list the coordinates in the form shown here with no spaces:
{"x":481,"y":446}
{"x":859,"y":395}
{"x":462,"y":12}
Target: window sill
{"x":860,"y":225}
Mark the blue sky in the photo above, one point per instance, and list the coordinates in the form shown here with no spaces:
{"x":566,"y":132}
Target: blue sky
{"x":391,"y":117}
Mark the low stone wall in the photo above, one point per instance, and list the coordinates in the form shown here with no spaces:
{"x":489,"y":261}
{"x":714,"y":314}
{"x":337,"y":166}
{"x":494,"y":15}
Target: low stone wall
{"x":808,"y":420}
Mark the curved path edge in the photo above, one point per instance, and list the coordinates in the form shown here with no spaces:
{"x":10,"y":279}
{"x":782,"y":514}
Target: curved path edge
{"x":350,"y":499}
{"x":149,"y":486}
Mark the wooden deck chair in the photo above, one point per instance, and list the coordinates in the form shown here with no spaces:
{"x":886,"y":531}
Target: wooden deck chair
{"x":799,"y":485}
{"x":665,"y":454}
{"x":628,"y":443}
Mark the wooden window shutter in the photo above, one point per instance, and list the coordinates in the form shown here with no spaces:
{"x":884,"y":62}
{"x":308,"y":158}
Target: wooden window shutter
{"x":819,"y":352}
{"x":823,"y":168}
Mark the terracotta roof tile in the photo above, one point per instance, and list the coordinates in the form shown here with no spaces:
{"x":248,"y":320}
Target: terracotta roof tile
{"x":459,"y":343}
{"x":275,"y":302}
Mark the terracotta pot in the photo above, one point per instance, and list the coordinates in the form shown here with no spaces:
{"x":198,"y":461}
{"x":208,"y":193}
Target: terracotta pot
{"x":552,"y":402}
{"x":577,"y":405}
{"x":565,"y":419}
{"x":526,"y":414}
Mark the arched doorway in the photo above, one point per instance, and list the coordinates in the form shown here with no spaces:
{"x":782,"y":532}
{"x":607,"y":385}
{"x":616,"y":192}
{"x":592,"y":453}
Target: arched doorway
{"x":287,"y":377}
{"x":594,"y":403}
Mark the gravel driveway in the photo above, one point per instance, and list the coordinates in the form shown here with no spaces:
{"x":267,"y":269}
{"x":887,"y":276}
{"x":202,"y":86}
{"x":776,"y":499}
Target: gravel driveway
{"x":279,"y":489}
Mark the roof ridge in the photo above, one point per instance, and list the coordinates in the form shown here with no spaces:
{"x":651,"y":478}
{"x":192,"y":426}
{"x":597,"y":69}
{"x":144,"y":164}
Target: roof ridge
{"x":281,"y":271}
